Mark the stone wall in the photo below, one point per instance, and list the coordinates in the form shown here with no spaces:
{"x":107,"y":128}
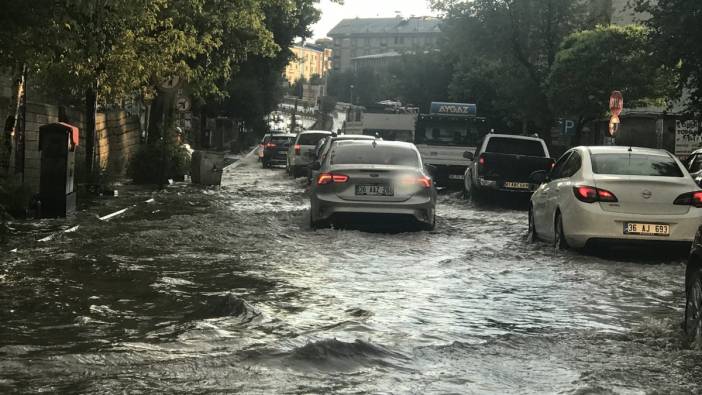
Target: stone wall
{"x":118,"y":138}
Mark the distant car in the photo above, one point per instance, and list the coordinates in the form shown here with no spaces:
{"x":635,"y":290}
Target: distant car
{"x":694,"y":165}
{"x":372,"y":177}
{"x":693,"y":293}
{"x":275,"y":149}
{"x":301,"y":153}
{"x":504,"y":162}
{"x":615,"y":195}
{"x":325,"y":144}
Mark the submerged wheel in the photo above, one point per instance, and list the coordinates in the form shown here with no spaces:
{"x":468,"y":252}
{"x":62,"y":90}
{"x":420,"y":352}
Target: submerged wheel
{"x":531,"y":233}
{"x":429,"y":226}
{"x":693,"y":310}
{"x":559,"y":240}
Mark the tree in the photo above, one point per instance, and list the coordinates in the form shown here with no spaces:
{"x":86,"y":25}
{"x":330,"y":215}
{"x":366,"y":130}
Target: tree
{"x":676,"y":32}
{"x":592,"y":63}
{"x":519,"y":37}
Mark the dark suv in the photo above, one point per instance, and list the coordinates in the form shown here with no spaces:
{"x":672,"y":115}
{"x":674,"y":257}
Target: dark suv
{"x":275,"y":149}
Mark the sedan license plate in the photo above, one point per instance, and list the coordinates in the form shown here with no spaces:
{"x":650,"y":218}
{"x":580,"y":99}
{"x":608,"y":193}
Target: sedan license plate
{"x":373,"y":190}
{"x":634,"y":228}
{"x":456,"y":177}
{"x":517,"y":185}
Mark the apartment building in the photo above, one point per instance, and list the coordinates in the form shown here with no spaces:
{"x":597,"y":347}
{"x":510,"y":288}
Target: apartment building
{"x":309,"y":60}
{"x":359,"y":37}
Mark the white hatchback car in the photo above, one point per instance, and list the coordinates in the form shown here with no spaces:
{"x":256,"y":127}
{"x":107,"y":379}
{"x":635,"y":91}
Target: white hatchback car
{"x":615,"y":195}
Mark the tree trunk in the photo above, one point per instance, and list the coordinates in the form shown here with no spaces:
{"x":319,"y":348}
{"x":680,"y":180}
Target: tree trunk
{"x":90,"y":132}
{"x":12,"y":122}
{"x":162,"y":115}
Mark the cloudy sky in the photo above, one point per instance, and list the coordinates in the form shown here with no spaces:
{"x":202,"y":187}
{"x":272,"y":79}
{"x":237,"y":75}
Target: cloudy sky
{"x":333,"y":13}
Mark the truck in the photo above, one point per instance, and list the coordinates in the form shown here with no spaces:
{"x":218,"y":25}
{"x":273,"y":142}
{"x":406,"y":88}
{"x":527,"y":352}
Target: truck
{"x":504,"y":163}
{"x":443,"y":135}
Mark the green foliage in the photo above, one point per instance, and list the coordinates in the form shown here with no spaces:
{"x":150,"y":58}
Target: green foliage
{"x":156,"y":163}
{"x":676,"y":33}
{"x":593,"y":63}
{"x":508,"y":57}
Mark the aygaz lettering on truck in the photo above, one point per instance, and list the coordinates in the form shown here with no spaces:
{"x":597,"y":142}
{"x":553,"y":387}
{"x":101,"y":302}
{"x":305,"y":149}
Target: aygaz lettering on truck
{"x":443,"y":135}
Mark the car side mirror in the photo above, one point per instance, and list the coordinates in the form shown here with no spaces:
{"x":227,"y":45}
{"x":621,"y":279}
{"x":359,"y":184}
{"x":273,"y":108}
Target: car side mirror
{"x":316,"y":166}
{"x":469,"y":155}
{"x":539,"y":177}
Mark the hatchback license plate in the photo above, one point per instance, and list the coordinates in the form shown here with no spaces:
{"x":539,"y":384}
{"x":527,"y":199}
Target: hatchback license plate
{"x":634,"y":228}
{"x":517,"y":185}
{"x":373,"y":190}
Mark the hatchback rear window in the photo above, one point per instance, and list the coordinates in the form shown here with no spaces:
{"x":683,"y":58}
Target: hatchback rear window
{"x":280,"y":140}
{"x":506,"y":145}
{"x":311,"y":138}
{"x":354,"y":154}
{"x":635,"y":165}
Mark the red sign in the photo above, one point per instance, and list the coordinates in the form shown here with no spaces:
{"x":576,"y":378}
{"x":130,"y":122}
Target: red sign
{"x":616,"y":103}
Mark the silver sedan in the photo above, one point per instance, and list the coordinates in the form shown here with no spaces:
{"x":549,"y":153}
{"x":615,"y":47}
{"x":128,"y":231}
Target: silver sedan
{"x":615,"y":195}
{"x":372,"y":177}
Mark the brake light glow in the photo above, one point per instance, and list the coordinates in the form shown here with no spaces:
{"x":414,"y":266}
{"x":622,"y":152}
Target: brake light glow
{"x":270,"y":145}
{"x":423,"y":181}
{"x":690,"y":199}
{"x":481,"y":160}
{"x":329,"y":178}
{"x":298,"y":149}
{"x":589,"y":194}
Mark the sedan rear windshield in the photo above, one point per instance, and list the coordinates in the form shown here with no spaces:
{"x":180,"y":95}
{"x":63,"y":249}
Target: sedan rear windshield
{"x":311,"y":138}
{"x":635,"y":165}
{"x":378,"y":155}
{"x":506,"y":145}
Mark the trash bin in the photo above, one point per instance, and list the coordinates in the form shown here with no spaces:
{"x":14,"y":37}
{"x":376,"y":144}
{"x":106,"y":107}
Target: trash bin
{"x":206,"y":167}
{"x":57,"y":143}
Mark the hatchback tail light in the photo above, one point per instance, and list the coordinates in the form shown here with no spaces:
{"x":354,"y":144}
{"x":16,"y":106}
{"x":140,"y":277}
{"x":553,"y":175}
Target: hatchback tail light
{"x":689,"y":199}
{"x":298,"y":149}
{"x":591,"y":195}
{"x":481,"y":160}
{"x":331,"y":178}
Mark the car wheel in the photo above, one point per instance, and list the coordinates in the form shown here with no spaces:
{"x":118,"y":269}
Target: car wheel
{"x":322,"y":224}
{"x":467,"y":187}
{"x":559,"y":240}
{"x":531,"y":233}
{"x":429,"y":226}
{"x":693,"y":310}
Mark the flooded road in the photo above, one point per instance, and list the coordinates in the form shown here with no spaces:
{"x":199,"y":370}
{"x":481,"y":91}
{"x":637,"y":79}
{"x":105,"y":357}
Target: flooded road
{"x":229,"y":290}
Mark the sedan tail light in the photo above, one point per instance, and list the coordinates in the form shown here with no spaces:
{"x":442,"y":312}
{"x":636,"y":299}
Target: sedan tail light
{"x":423,"y":181}
{"x":591,"y":195}
{"x":689,"y":199}
{"x":329,"y":178}
{"x":298,"y":149}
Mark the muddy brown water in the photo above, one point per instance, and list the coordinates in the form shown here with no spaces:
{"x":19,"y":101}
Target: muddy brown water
{"x":229,"y":290}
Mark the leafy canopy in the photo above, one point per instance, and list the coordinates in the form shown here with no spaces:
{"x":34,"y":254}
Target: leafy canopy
{"x":593,"y":63}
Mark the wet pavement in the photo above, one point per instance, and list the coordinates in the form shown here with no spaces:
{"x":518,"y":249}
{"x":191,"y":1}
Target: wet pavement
{"x":228,"y":290}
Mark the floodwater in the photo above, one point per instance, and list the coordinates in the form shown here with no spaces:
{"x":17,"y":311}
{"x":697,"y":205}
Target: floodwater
{"x":229,"y":290}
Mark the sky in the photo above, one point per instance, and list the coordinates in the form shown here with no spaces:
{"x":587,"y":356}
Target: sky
{"x":333,"y":13}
